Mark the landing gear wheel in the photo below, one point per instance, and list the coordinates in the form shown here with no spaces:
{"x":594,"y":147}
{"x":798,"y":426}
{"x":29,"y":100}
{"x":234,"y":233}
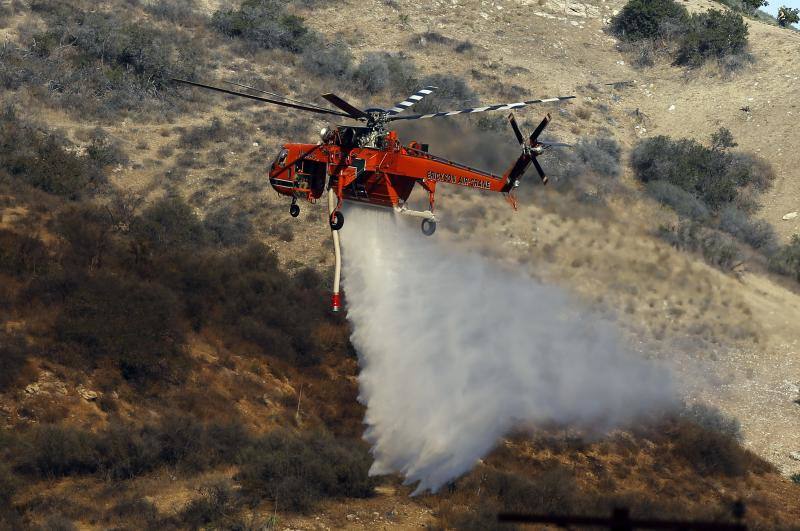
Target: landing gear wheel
{"x":337,"y":220}
{"x":428,"y":227}
{"x":294,"y":210}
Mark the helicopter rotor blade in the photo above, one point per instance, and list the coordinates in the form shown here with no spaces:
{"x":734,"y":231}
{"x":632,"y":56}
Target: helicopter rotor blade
{"x":539,"y":129}
{"x":539,"y":170}
{"x":275,"y":94}
{"x":515,"y":127}
{"x":497,"y":107}
{"x":353,"y":112}
{"x":318,"y":110}
{"x":411,"y":100}
{"x":553,"y":144}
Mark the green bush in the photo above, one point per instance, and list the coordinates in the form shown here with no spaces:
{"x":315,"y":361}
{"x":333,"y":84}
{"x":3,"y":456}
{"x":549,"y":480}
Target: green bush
{"x":681,"y":201}
{"x":758,"y":234}
{"x":182,"y":12}
{"x":22,"y":255}
{"x":297,"y":471}
{"x":788,"y":16}
{"x":712,"y":35}
{"x":712,"y":419}
{"x":123,"y":451}
{"x":452,"y":92}
{"x":41,"y":159}
{"x":123,"y":66}
{"x":710,"y":451}
{"x":228,"y":227}
{"x":646,"y":19}
{"x":332,"y":60}
{"x":170,"y":223}
{"x":599,"y":154}
{"x":786,"y":260}
{"x":53,"y":451}
{"x":264,"y":23}
{"x":717,"y":249}
{"x":13,"y":359}
{"x":217,"y":503}
{"x":379,"y":70}
{"x":711,"y":175}
{"x":8,"y":487}
{"x":553,"y":490}
{"x":86,"y":231}
{"x":133,"y":323}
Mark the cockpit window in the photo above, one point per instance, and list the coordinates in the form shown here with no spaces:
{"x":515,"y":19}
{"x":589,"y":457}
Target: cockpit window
{"x":281,"y":158}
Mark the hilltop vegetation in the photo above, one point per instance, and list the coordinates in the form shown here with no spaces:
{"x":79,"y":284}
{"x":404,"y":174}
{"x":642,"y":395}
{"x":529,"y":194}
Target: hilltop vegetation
{"x":666,"y":27}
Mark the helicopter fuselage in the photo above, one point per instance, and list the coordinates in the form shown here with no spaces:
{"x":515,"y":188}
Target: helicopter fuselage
{"x":374,"y":169}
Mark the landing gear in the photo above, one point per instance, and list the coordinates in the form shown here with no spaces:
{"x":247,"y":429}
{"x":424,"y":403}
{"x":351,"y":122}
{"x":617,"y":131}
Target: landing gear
{"x":294,"y":210}
{"x":428,"y":227}
{"x":337,"y":220}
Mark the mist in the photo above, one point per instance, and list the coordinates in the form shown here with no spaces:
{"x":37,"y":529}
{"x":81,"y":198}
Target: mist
{"x":455,"y":351}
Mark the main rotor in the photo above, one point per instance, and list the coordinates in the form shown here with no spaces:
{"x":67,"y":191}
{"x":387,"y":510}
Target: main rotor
{"x":376,"y":119}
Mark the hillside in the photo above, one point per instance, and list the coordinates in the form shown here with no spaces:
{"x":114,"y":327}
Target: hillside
{"x":149,"y":303}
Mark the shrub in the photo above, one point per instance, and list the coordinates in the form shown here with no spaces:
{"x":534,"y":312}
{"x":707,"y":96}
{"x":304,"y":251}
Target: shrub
{"x":198,"y":136}
{"x":124,"y":452}
{"x":452,"y":92}
{"x":217,"y":502}
{"x":139,"y":509}
{"x":716,"y":249}
{"x":379,"y":70}
{"x":134,"y":49}
{"x":786,"y":260}
{"x":788,"y":16}
{"x":553,"y":490}
{"x":758,"y":234}
{"x":681,"y":201}
{"x":265,"y":23}
{"x":130,"y":322}
{"x":40,"y":159}
{"x":297,"y":471}
{"x":8,"y":487}
{"x":103,"y":150}
{"x":13,"y":359}
{"x":170,"y":223}
{"x":228,"y":227}
{"x":53,"y":451}
{"x":753,"y":5}
{"x":712,"y":419}
{"x":86,"y":229}
{"x":601,"y":154}
{"x":644,"y":19}
{"x":713,"y":34}
{"x":710,"y":452}
{"x":329,"y":60}
{"x":711,"y":175}
{"x":22,"y":255}
{"x":122,"y":65}
{"x":181,"y":12}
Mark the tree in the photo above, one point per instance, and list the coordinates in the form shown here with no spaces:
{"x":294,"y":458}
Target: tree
{"x":752,"y":5}
{"x":644,"y":19}
{"x":787,"y":16}
{"x":713,"y":34}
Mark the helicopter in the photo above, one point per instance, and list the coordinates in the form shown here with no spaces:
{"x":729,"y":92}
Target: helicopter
{"x":367,"y":163}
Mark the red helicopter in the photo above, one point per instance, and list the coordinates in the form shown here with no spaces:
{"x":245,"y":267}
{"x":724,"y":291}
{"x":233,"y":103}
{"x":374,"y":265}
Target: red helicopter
{"x":368,"y":164}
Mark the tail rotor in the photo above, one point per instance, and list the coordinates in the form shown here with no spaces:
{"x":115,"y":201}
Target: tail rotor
{"x":531,"y":149}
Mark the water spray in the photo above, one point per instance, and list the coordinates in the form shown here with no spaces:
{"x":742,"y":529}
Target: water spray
{"x":456,"y":351}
